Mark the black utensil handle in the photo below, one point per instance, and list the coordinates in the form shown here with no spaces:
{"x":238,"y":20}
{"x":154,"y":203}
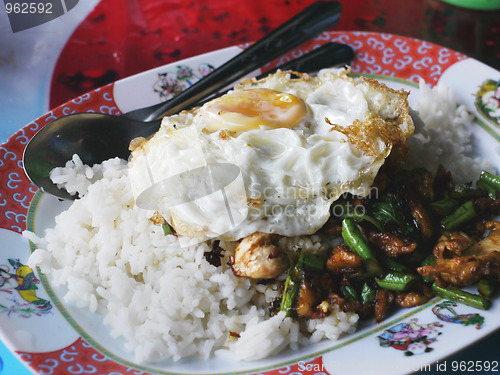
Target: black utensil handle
{"x":314,"y":19}
{"x":325,"y":56}
{"x":328,"y":55}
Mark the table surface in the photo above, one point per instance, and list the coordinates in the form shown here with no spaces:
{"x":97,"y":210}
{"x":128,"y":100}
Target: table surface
{"x":98,"y":42}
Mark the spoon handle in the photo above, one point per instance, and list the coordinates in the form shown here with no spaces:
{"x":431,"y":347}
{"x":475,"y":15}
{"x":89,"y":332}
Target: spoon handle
{"x":318,"y":17}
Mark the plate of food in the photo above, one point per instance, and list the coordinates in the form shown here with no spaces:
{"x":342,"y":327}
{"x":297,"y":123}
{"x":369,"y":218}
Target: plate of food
{"x":329,"y":223}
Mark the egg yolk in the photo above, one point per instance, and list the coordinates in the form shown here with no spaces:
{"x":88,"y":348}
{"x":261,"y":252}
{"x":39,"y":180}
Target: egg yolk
{"x":250,"y":109}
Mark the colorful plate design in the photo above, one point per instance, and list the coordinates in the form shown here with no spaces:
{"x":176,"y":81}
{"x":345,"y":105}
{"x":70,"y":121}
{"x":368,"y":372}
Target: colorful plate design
{"x":53,"y":338}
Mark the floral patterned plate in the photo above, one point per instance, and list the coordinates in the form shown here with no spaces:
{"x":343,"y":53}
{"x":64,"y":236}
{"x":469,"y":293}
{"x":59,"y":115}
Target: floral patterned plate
{"x":52,"y":337}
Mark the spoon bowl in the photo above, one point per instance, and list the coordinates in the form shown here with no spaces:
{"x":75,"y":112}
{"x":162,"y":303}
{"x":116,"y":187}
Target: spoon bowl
{"x":85,"y":134}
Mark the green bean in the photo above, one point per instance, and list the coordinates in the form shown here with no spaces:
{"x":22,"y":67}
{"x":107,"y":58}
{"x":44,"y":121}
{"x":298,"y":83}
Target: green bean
{"x":490,"y":183}
{"x":396,"y":281}
{"x":486,"y":288}
{"x":357,"y":242}
{"x":490,"y":190}
{"x":428,"y":261}
{"x":463,"y":192}
{"x":462,"y":215}
{"x":444,"y":206}
{"x":292,"y":286}
{"x":458,"y":295}
{"x":489,"y":179}
{"x":367,"y":294}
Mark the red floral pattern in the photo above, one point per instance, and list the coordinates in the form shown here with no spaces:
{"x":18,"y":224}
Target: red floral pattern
{"x":81,"y":357}
{"x":16,"y":190}
{"x":388,"y":55}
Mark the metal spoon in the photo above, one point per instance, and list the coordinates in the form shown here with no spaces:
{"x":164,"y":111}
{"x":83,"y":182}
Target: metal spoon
{"x":98,"y":137}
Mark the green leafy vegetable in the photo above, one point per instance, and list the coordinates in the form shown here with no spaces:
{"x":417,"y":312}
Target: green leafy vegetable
{"x":349,"y":292}
{"x":367,"y":293}
{"x":167,"y":229}
{"x":343,"y":209}
{"x":390,"y":210}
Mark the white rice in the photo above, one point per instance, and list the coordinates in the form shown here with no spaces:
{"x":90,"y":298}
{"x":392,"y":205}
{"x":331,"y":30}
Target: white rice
{"x":171,"y":303}
{"x":445,"y":137}
{"x":166,"y":302}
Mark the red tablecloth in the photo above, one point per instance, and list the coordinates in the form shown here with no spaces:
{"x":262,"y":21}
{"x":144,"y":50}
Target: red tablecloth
{"x":123,"y":37}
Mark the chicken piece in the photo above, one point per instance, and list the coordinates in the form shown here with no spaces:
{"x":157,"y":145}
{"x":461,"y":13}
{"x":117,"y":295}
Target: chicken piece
{"x":422,"y":217}
{"x":488,"y":244}
{"x":258,"y":257}
{"x":390,"y":244}
{"x":343,"y":261}
{"x":424,"y":184}
{"x":321,"y":311}
{"x":462,"y":262}
{"x":465,"y":270}
{"x":411,"y":299}
{"x":443,"y":181}
{"x":343,"y":304}
{"x":383,"y":299}
{"x":305,"y":300}
{"x":452,"y":244}
{"x":381,"y":179}
{"x":332,"y":227}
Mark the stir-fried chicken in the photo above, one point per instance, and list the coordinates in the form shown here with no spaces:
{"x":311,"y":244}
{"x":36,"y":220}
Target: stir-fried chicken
{"x":411,"y":299}
{"x":343,"y":303}
{"x":463,"y":271}
{"x":424,"y":184}
{"x":390,"y":244}
{"x":421,"y":217}
{"x":460,"y":261}
{"x":452,"y":244}
{"x":258,"y":257}
{"x":343,"y":261}
{"x":383,"y":300}
{"x":490,"y":243}
{"x":418,"y":235}
{"x":305,"y":300}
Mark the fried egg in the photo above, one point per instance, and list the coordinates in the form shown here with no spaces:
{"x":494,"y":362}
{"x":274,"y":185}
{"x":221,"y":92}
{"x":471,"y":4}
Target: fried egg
{"x":296,"y":143}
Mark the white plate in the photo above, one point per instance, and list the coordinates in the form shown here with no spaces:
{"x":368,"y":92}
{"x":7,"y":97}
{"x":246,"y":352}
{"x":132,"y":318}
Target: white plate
{"x":53,"y":337}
